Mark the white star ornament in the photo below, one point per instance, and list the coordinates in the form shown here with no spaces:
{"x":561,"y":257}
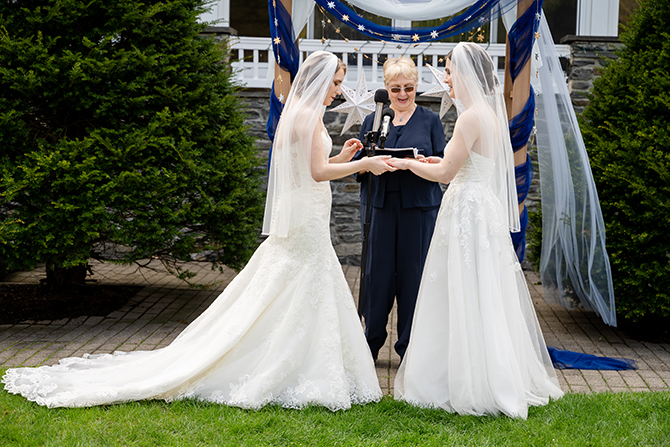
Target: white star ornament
{"x":440,"y":90}
{"x":358,"y":104}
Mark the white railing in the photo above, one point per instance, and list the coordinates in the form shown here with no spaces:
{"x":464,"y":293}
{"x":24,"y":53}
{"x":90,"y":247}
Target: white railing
{"x":253,"y":54}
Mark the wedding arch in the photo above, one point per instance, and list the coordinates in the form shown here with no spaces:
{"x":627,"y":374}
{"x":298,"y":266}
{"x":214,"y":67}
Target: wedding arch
{"x":574,"y":265}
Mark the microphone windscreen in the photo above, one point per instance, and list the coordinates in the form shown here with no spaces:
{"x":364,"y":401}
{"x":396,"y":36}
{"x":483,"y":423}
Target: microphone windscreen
{"x":389,"y":112}
{"x":381,"y":95}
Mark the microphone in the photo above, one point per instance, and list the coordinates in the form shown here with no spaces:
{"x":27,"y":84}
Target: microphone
{"x":387,"y":117}
{"x":381,"y":98}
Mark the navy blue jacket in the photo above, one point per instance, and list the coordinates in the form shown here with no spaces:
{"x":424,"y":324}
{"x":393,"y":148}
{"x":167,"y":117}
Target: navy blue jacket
{"x":423,"y":131}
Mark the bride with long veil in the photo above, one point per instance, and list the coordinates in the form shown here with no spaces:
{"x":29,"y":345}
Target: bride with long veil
{"x":285,"y":331}
{"x":476,"y":346}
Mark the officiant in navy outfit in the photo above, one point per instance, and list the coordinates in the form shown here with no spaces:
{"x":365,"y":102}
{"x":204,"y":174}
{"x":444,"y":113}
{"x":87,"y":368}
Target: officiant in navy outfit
{"x":403,"y":211}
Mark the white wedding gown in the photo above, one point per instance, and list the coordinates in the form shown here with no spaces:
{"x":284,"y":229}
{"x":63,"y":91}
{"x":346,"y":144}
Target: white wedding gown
{"x":285,"y":332}
{"x":476,"y":346}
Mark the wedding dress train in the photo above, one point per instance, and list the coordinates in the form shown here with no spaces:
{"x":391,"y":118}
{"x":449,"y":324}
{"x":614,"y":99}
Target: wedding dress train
{"x":285,"y":332}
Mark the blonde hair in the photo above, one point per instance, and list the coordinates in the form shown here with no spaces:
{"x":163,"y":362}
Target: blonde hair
{"x":400,"y":65}
{"x":341,"y":66}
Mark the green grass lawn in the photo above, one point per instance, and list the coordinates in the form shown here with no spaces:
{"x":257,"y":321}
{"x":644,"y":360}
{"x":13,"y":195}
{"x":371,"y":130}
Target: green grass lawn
{"x":623,"y":419}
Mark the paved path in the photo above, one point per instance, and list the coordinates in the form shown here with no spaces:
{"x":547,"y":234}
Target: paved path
{"x":165,"y":306}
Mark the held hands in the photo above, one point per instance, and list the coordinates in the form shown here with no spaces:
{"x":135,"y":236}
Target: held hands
{"x":399,"y":163}
{"x":379,"y":164}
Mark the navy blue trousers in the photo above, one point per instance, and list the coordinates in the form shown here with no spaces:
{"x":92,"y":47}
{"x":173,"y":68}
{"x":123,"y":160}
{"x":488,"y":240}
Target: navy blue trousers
{"x":398,"y":244}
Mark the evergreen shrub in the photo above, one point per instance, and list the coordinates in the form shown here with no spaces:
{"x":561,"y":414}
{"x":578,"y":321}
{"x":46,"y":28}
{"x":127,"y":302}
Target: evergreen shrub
{"x":627,"y":133}
{"x":120,"y":138}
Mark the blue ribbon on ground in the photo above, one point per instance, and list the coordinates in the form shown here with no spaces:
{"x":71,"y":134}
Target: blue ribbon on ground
{"x":480,"y":13}
{"x":578,"y":360}
{"x":521,"y":38}
{"x":521,"y":126}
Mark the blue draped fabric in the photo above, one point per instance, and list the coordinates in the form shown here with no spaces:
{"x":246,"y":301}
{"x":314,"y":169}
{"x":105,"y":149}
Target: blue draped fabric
{"x":480,"y":13}
{"x":577,"y":360}
{"x":286,"y":50}
{"x":522,"y":36}
{"x":287,"y":55}
{"x":519,"y":239}
{"x":521,"y":126}
{"x":524,"y":175}
{"x":276,"y":107}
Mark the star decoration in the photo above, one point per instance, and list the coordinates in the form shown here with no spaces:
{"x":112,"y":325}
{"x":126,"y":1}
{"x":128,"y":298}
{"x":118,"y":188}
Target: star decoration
{"x":396,"y":37}
{"x":441,"y":90}
{"x":480,"y":38}
{"x":537,"y":35}
{"x":281,"y":98}
{"x":279,"y":59}
{"x":537,"y":16}
{"x":277,"y":40}
{"x":358,"y":104}
{"x":361,"y":28}
{"x":279,"y":78}
{"x":331,"y":5}
{"x":415,"y":37}
{"x":276,"y":22}
{"x":433,"y":34}
{"x":345,"y":18}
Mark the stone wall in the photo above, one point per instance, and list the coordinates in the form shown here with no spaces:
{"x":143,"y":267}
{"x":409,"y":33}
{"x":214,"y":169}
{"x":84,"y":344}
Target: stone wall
{"x":588,"y":55}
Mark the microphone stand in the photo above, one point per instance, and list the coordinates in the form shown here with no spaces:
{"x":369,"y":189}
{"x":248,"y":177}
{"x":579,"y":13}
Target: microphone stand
{"x":370,"y":147}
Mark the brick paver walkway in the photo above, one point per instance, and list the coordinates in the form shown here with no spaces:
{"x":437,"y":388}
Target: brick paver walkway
{"x":165,"y":306}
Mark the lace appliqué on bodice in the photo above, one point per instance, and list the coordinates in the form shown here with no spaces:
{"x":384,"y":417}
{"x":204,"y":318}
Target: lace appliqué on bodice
{"x":469,"y":200}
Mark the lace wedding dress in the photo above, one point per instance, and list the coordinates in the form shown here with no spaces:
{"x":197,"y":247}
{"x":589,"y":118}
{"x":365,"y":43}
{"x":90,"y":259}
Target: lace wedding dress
{"x":285,"y":332}
{"x":476,"y":345}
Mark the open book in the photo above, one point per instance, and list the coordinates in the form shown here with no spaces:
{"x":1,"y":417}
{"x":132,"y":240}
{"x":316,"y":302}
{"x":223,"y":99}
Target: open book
{"x":401,"y":152}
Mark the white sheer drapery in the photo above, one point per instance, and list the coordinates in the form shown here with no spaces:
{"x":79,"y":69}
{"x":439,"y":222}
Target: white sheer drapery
{"x":301,"y":10}
{"x":574,"y":264}
{"x":412,"y":9}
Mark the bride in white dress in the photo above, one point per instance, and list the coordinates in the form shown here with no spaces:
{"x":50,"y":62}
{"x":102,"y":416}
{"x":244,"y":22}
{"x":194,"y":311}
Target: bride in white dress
{"x":476,"y":346}
{"x":285,"y":331}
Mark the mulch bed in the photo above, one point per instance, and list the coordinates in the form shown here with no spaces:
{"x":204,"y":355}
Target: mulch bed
{"x":21,"y":302}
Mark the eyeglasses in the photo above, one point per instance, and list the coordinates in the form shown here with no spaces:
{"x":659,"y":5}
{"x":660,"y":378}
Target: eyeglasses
{"x":408,"y":89}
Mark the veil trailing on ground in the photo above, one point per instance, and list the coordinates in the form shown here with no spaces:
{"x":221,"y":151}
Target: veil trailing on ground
{"x":290,"y":180}
{"x":484,"y":98}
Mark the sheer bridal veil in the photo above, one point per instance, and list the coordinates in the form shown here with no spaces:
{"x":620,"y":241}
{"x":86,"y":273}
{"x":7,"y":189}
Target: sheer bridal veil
{"x":476,"y":85}
{"x":290,"y":180}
